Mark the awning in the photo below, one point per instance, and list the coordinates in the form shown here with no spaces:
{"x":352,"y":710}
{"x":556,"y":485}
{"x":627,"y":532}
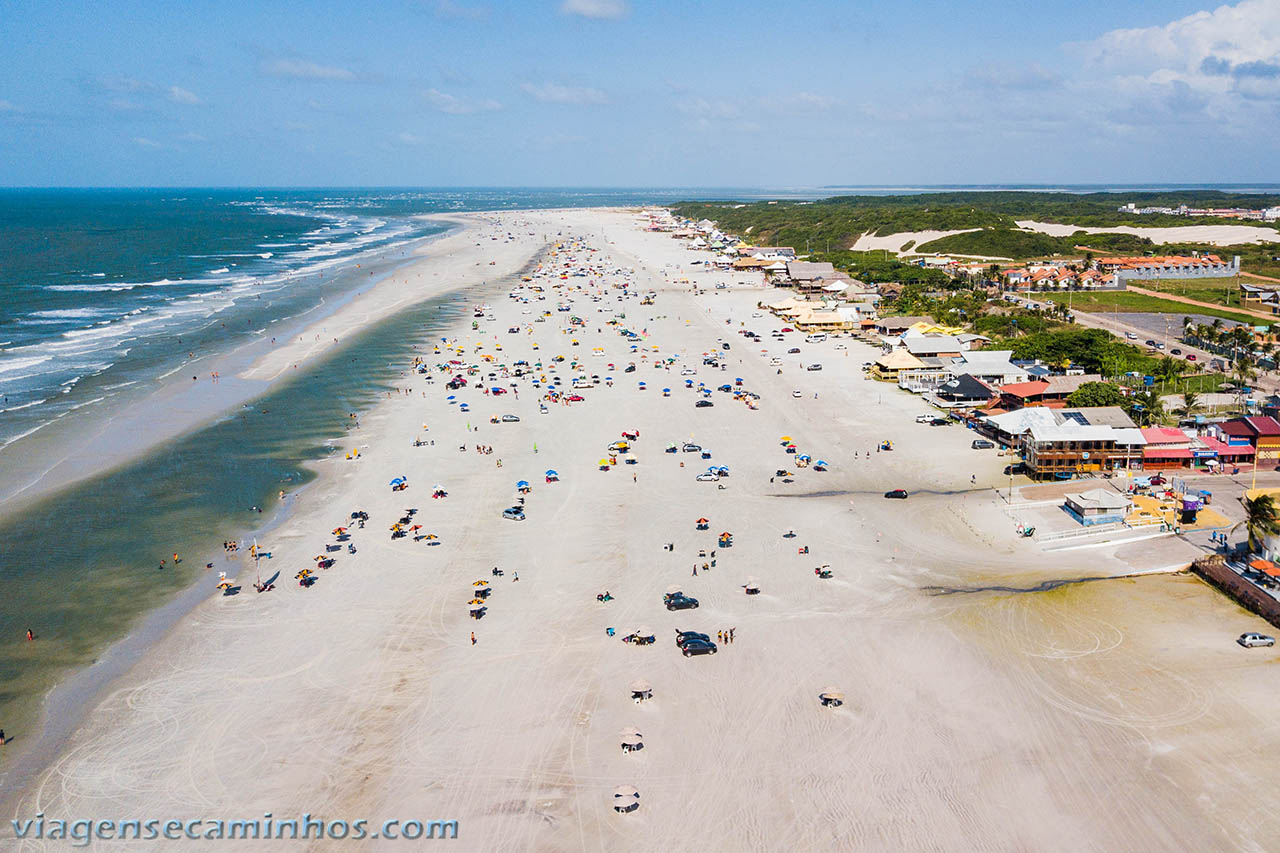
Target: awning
{"x":1158,"y":452}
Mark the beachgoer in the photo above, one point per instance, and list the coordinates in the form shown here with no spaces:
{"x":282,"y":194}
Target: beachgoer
{"x":30,"y":635}
{"x":695,"y":570}
{"x":473,"y":638}
{"x":732,"y":633}
{"x":719,"y":636}
{"x":515,"y":576}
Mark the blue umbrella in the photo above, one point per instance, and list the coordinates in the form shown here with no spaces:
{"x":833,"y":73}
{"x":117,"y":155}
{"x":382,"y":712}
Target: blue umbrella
{"x":821,"y":462}
{"x":804,"y":456}
{"x":713,"y":469}
{"x":397,"y":481}
{"x":666,"y":390}
{"x":552,"y":472}
{"x":452,"y":397}
{"x":641,"y":384}
{"x":522,"y":484}
{"x":723,"y":469}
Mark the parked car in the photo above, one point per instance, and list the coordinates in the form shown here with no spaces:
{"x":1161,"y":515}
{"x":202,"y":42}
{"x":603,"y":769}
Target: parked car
{"x":681,"y":636}
{"x":898,"y":494}
{"x":698,"y":647}
{"x":1191,"y":356}
{"x":1252,"y":639}
{"x":575,"y":398}
{"x":1151,"y":343}
{"x":939,"y":422}
{"x":1016,"y":468}
{"x":1131,"y":336}
{"x":707,"y":477}
{"x":514,"y":513}
{"x":510,"y":419}
{"x":688,"y":371}
{"x":1175,"y":351}
{"x":794,"y":350}
{"x":981,"y":444}
{"x":814,"y":367}
{"x":690,"y":447}
{"x":924,"y":419}
{"x":796,"y":393}
{"x":681,"y":602}
{"x":703,"y":404}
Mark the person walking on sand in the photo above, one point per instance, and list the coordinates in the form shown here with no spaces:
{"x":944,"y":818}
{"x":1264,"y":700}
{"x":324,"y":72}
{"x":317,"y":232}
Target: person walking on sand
{"x":3,"y":739}
{"x":695,"y":570}
{"x":719,"y":636}
{"x":732,"y":632}
{"x":30,"y":635}
{"x":473,"y":638}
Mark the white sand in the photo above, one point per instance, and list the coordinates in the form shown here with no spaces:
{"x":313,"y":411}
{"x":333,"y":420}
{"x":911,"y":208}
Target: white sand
{"x":868,"y":242}
{"x":1217,"y":235}
{"x":1107,"y":717}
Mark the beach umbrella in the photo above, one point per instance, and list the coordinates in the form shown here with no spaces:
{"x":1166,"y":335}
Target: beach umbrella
{"x":666,"y":390}
{"x":628,"y":791}
{"x":551,"y":472}
{"x":604,"y":463}
{"x":476,"y":601}
{"x":416,"y":527}
{"x":832,"y":693}
{"x":480,"y":583}
{"x":786,"y":439}
{"x":521,"y":484}
{"x":339,"y":530}
{"x":702,"y":521}
{"x":629,"y":734}
{"x":318,"y":558}
{"x":397,"y":481}
{"x":452,"y":397}
{"x":821,"y":463}
{"x":805,"y":456}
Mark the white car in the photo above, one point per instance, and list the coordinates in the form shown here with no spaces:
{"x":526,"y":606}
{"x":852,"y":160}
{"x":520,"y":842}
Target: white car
{"x":1253,"y":639}
{"x":707,"y":477}
{"x":688,"y":371}
{"x":841,"y":346}
{"x":796,"y":393}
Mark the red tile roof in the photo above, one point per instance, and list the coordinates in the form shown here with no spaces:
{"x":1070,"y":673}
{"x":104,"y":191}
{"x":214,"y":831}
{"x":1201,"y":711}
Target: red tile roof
{"x":1024,"y":389}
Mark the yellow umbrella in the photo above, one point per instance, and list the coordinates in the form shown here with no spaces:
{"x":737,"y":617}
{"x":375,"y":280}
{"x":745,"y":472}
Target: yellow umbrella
{"x":431,"y":536}
{"x":481,"y":583}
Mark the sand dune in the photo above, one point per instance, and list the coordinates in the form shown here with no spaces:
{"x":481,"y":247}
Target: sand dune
{"x":1217,"y":235}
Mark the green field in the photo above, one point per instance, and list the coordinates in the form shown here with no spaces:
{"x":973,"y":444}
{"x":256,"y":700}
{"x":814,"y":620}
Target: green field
{"x":1098,"y":303}
{"x":1220,"y":291}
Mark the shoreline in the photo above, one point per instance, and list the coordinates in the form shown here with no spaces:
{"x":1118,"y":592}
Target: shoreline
{"x":128,"y":431}
{"x":76,"y":692}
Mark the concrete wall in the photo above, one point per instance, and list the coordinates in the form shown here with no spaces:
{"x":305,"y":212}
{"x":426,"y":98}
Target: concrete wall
{"x":1215,"y":570}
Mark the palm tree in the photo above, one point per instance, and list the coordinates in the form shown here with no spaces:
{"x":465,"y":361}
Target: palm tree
{"x":1147,"y":407}
{"x":1190,"y":403}
{"x":1259,"y":519}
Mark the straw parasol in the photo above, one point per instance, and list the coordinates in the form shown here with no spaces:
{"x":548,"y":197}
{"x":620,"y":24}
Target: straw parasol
{"x":674,"y":589}
{"x":832,"y":693}
{"x":641,"y":686}
{"x":630,"y":734}
{"x":630,"y":791}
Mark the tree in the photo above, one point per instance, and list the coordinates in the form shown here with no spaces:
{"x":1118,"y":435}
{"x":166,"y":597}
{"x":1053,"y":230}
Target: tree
{"x":1259,"y":519}
{"x":1190,"y":403}
{"x":1146,"y":408}
{"x":1095,"y":394}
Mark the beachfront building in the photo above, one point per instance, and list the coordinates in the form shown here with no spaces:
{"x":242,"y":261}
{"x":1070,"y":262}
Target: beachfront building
{"x":1009,"y":428}
{"x":1071,"y":448}
{"x":891,"y":364}
{"x":1050,"y":391}
{"x":1098,"y":506}
{"x":1262,"y":433}
{"x":992,"y":367}
{"x":961,"y":392}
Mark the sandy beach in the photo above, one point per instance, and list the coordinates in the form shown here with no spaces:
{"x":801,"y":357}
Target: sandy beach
{"x":1217,"y":235}
{"x":1099,"y":716}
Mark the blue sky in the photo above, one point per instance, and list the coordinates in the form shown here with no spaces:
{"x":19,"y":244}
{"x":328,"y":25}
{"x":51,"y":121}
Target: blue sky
{"x":632,"y":93}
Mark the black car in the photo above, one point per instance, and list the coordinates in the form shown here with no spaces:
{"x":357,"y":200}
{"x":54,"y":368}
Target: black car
{"x":1175,"y":351}
{"x":981,"y":444}
{"x":900,"y":494}
{"x":697,"y":647}
{"x":681,"y":636}
{"x":793,"y":350}
{"x":703,"y":404}
{"x":939,"y":422}
{"x":681,"y":602}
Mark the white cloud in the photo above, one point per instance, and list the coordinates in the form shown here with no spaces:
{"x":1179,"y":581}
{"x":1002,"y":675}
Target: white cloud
{"x":408,"y":139}
{"x":144,"y":142}
{"x":597,"y":9}
{"x":8,"y":106}
{"x":305,"y":70}
{"x":455,"y":105}
{"x":1233,"y":51}
{"x":179,"y":95}
{"x":808,"y":101}
{"x":553,"y":93}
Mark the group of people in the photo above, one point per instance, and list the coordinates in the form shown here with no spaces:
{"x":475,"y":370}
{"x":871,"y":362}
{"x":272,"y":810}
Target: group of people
{"x":725,"y":636}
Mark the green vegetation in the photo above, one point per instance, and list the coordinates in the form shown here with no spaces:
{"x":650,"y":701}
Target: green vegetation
{"x":1113,"y":300}
{"x":1096,"y":394}
{"x":1260,"y":519}
{"x":1017,"y":244}
{"x":881,"y":267}
{"x":1220,"y":291}
{"x":1094,"y":350}
{"x":835,"y":223}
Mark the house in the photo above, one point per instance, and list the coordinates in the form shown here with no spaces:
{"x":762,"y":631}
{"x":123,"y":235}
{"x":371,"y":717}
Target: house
{"x":941,"y":346}
{"x":1009,"y":428}
{"x":1098,"y":506}
{"x":888,"y":366}
{"x":962,"y":391}
{"x":894,"y":326}
{"x":1048,"y":391}
{"x":1165,"y":448}
{"x":972,"y":341}
{"x":806,"y":271}
{"x":1261,"y":432}
{"x":992,"y":367}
